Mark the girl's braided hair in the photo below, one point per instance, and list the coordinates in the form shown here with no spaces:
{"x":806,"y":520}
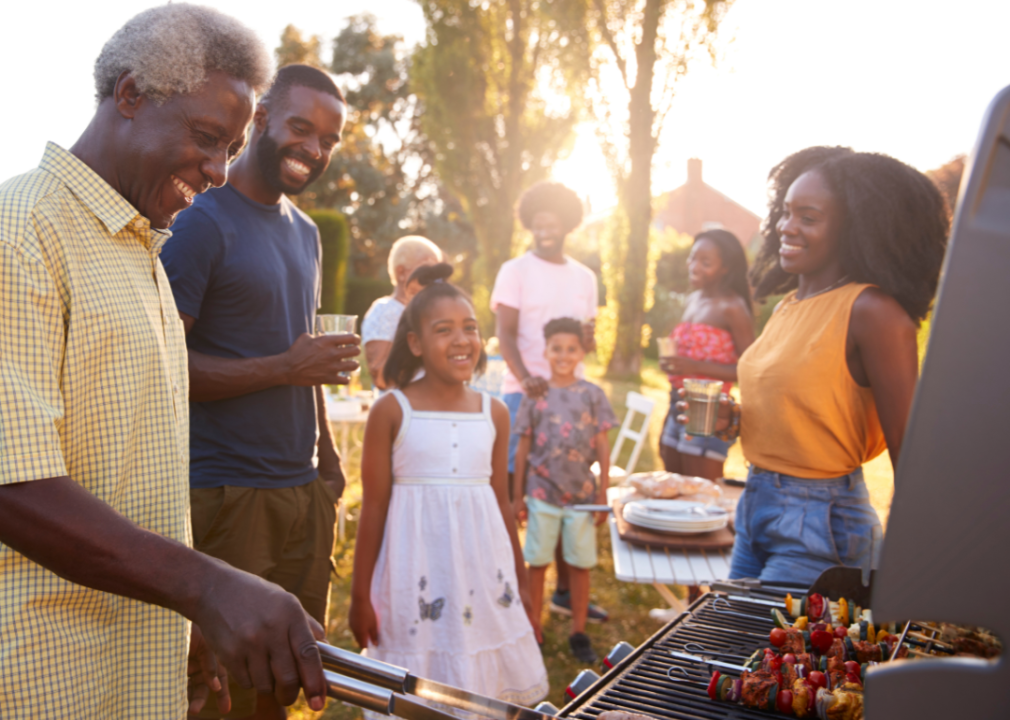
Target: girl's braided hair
{"x":401,"y":364}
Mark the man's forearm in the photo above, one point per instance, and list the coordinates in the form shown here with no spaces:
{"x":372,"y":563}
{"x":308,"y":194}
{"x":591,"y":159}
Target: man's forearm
{"x":508,"y":346}
{"x":61,"y":526}
{"x":217,"y":378}
{"x":329,"y":459}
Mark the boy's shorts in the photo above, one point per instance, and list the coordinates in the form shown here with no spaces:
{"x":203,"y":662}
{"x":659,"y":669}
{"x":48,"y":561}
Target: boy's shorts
{"x":675,"y":436}
{"x":546,"y":522}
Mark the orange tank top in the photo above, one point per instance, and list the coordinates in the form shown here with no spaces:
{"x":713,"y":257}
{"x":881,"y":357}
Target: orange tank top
{"x":803,"y":414}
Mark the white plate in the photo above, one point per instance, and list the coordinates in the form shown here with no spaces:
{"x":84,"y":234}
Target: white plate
{"x":679,"y":512}
{"x":647,"y":520}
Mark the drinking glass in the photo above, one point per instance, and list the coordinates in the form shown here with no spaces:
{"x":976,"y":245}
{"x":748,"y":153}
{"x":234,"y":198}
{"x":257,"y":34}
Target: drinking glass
{"x":702,"y":405}
{"x":335,"y":324}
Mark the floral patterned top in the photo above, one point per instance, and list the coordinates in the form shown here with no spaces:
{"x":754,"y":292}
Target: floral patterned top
{"x":699,"y":341}
{"x":563,"y":425}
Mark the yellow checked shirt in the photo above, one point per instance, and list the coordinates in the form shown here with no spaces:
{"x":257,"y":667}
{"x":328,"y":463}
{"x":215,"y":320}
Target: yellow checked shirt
{"x":93,"y":385}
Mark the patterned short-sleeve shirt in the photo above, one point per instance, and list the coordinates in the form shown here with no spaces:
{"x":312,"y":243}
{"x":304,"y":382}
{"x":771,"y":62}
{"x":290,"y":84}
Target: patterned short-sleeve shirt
{"x":563,"y":426}
{"x":93,"y":385}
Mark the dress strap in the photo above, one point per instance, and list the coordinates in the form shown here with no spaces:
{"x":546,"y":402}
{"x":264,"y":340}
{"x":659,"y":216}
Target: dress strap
{"x":485,"y":408}
{"x":407,"y":413}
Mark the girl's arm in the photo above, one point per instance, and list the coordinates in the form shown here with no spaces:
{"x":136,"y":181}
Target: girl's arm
{"x":603,"y":457}
{"x":499,"y":483}
{"x":377,"y":486}
{"x":519,"y":477}
{"x":741,"y":328}
{"x":883,"y":355}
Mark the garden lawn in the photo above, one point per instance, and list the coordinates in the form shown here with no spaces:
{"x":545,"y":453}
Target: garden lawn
{"x":628,"y":603}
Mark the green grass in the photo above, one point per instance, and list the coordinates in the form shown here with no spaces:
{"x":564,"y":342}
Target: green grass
{"x":628,"y":603}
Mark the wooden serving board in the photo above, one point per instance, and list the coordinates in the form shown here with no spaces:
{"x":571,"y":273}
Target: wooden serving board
{"x":715,"y":540}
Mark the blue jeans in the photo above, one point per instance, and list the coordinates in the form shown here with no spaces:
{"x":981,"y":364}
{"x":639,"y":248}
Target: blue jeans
{"x":512,"y":401}
{"x":789,"y":529}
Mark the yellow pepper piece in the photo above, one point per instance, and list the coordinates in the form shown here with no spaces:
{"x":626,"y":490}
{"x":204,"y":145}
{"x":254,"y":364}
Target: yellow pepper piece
{"x":843,"y":612}
{"x":801,"y":622}
{"x":789,"y":603}
{"x":871,"y":634}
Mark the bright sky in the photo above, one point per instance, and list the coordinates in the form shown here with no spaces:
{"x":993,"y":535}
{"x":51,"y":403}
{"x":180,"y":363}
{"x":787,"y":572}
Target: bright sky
{"x":910,"y":78}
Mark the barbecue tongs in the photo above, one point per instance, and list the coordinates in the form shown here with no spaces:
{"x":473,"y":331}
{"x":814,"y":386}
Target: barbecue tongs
{"x":391,"y":690}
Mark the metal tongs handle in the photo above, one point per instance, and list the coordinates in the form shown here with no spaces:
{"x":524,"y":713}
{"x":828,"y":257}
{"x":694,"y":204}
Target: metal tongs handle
{"x":356,"y":692}
{"x":706,"y":661}
{"x":364,"y":668}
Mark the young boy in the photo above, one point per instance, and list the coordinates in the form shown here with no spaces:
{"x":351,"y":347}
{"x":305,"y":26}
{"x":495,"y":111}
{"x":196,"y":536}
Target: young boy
{"x":561,"y":434}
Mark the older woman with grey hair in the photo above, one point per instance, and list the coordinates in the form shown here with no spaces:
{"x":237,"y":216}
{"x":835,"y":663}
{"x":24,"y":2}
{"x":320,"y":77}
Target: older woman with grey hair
{"x":379,"y":326}
{"x":97,"y":579}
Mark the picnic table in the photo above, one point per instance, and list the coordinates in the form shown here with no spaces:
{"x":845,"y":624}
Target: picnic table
{"x":662,"y":567}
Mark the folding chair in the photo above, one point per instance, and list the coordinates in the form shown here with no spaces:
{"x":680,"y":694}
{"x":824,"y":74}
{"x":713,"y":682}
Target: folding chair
{"x":636,"y":403}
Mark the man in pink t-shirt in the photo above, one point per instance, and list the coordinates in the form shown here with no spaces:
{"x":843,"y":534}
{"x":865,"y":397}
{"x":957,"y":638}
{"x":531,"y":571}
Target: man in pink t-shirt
{"x":532,"y":289}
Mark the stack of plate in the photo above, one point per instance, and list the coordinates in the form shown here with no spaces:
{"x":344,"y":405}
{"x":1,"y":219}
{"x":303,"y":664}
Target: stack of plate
{"x":680,"y":517}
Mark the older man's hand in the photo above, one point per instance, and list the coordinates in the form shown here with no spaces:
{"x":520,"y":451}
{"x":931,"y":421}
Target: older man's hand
{"x":263,"y":636}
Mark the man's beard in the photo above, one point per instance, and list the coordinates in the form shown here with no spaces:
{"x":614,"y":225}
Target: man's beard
{"x":269,"y":158}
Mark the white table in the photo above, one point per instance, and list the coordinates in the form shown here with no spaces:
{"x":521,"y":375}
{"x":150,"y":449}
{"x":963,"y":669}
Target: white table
{"x":661,"y":567}
{"x":346,"y":417}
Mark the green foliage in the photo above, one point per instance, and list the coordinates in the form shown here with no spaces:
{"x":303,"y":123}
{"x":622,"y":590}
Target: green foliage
{"x":296,"y":49}
{"x":335,"y":239}
{"x":362,"y":292}
{"x":499,"y":85}
{"x":379,"y":177}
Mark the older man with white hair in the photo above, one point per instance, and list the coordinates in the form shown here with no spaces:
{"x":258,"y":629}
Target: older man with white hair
{"x":97,"y":579}
{"x":379,"y":326}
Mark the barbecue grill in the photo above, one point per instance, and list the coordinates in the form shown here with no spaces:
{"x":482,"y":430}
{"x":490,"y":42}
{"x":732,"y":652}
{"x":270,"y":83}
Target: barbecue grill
{"x":667,"y":676}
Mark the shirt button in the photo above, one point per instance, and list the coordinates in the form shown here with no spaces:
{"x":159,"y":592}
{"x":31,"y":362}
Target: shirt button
{"x":454,"y":469}
{"x":454,"y":424}
{"x":138,"y":223}
{"x":455,"y":445}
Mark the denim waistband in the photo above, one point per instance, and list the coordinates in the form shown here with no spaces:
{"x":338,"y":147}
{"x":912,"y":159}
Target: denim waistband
{"x":850,"y":481}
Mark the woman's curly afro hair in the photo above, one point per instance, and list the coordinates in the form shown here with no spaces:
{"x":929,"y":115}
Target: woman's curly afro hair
{"x":894,"y":227}
{"x":552,"y":197}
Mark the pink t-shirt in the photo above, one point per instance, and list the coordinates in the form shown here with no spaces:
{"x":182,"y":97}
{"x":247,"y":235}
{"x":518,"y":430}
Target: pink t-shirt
{"x":542,"y":291}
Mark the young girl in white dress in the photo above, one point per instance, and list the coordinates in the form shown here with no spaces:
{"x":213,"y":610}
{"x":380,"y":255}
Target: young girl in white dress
{"x":440,"y":586}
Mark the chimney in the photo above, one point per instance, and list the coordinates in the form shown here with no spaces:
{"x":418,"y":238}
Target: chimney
{"x":694,"y":172}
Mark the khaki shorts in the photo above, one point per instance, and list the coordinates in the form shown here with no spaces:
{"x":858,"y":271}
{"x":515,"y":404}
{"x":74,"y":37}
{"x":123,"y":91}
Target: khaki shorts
{"x":546,"y":522}
{"x":284,"y":535}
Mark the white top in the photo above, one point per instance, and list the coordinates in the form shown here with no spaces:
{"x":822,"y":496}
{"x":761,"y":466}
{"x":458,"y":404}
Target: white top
{"x":542,"y":291}
{"x":381,"y":320}
{"x":436,"y":448}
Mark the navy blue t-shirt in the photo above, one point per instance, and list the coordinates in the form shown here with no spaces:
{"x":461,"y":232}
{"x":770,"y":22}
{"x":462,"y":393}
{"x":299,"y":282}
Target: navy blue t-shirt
{"x":249,"y":274}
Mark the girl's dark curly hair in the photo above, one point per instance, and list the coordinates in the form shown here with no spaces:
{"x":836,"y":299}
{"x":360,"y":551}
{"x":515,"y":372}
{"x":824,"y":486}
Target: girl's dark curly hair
{"x":552,"y":197}
{"x":894,"y":225}
{"x":733,"y":259}
{"x":401,"y":364}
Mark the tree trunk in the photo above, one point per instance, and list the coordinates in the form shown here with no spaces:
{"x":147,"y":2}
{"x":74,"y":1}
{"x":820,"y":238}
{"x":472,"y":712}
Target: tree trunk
{"x":636,"y":198}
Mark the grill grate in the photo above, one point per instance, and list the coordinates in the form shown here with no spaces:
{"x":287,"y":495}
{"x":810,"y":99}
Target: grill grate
{"x":652,"y":682}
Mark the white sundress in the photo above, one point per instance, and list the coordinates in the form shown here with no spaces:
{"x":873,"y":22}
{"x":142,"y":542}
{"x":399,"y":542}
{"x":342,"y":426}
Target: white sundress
{"x":444,"y":587}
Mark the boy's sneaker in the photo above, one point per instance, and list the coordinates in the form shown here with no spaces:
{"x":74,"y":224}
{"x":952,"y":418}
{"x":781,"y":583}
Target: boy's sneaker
{"x":582,"y":648}
{"x":561,"y":603}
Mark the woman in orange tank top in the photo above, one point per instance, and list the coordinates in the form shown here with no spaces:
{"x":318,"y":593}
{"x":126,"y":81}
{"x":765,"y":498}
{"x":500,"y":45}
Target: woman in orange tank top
{"x":856,"y":241}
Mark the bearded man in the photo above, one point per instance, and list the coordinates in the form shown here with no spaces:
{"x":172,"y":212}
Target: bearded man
{"x":244,"y":265}
{"x":97,"y":578}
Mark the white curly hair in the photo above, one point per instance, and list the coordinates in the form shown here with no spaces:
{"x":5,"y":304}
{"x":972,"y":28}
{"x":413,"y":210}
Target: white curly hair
{"x":170,"y":49}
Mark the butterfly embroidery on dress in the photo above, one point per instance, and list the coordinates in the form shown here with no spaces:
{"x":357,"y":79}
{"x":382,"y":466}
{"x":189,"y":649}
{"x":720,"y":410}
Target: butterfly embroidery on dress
{"x":423,"y":583}
{"x":506,"y":599}
{"x":433,"y":610}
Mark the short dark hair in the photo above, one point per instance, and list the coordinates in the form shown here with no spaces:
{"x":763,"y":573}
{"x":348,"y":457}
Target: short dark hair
{"x":733,"y":259}
{"x":401,"y":364}
{"x":291,"y":76}
{"x":894,"y":227}
{"x":564,"y":325}
{"x":553,"y":197}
